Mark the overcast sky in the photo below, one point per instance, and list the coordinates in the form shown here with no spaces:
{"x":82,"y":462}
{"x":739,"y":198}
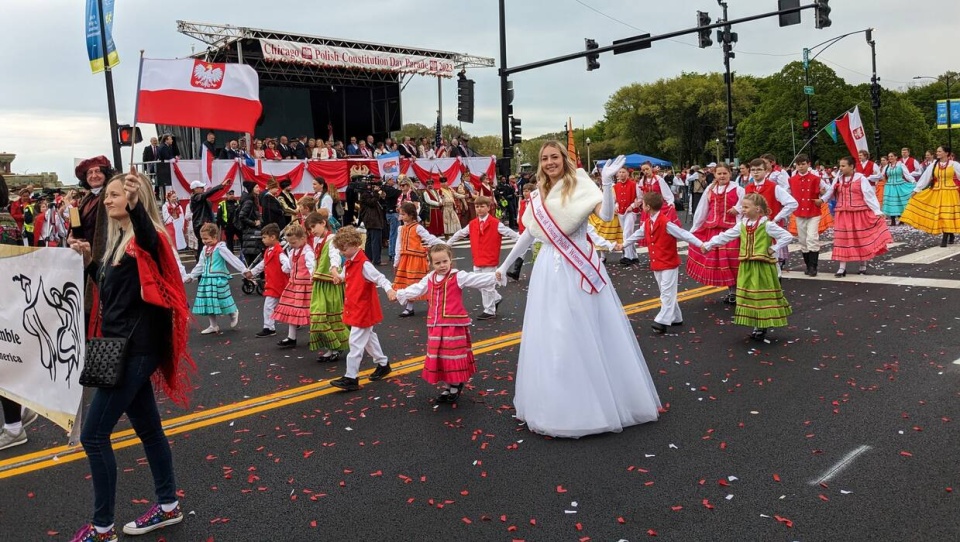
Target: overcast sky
{"x":52,"y":109}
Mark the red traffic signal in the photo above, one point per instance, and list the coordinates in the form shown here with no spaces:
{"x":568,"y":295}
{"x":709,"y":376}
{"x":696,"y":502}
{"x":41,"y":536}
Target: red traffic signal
{"x":806,"y":125}
{"x":128,"y":135}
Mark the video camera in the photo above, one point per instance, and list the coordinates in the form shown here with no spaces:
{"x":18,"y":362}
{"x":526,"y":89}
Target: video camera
{"x":364,"y":183}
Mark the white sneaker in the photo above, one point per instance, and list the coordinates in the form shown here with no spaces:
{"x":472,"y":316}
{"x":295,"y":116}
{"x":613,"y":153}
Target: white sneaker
{"x":234,"y":319}
{"x":9,"y":440}
{"x":28,"y":417}
{"x":210,"y":330}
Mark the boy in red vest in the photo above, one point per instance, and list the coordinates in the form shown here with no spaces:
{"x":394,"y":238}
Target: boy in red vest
{"x":361,"y":308}
{"x":661,"y":235}
{"x":486,"y":235}
{"x":766,"y":181}
{"x":806,"y":187}
{"x":275,"y":267}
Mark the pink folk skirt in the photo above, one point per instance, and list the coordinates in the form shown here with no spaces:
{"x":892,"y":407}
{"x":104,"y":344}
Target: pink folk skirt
{"x":859,"y":235}
{"x":717,"y":267}
{"x":449,"y":355}
{"x":294,"y":305}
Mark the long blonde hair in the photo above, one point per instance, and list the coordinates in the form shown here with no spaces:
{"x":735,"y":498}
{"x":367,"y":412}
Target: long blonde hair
{"x":569,"y":177}
{"x":117,"y":237}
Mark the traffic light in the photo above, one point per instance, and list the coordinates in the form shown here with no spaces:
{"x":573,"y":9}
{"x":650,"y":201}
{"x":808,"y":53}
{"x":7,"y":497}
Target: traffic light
{"x":875,"y":94}
{"x":703,"y":19}
{"x":813,"y":119}
{"x":515,"y":131}
{"x":731,"y":135}
{"x":128,"y":135}
{"x":822,"y":13}
{"x":806,"y":129}
{"x":464,"y":98}
{"x":593,"y":60}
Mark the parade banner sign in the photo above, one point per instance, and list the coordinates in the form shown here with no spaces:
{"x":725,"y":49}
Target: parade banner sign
{"x":94,"y":42}
{"x":42,"y":330}
{"x":942,"y":114}
{"x":343,"y":57}
{"x":389,"y":164}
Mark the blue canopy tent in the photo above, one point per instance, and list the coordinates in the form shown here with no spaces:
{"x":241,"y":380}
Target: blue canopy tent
{"x":634,"y":161}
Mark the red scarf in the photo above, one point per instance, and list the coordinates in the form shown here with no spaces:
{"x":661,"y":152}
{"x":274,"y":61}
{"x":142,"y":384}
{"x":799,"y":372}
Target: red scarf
{"x":174,"y":210}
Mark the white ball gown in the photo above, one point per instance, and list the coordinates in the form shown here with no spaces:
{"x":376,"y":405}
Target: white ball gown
{"x":580,"y":370}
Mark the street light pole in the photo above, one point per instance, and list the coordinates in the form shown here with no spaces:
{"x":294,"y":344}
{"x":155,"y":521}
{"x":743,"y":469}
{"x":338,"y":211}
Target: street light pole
{"x":728,"y":38}
{"x":589,"y":163}
{"x":874,"y":90}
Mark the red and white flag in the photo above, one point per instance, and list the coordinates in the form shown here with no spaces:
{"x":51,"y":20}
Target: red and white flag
{"x":206,"y":161}
{"x":851,"y":129}
{"x":191,"y":92}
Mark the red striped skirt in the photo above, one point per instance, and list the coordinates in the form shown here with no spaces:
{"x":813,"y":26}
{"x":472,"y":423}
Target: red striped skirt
{"x":717,"y":267}
{"x":294,"y":305}
{"x":859,"y":236}
{"x":449,"y":355}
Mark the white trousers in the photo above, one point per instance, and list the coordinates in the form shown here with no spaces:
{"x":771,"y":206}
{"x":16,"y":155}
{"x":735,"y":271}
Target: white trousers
{"x":363,"y":339}
{"x":808,"y":234}
{"x":669,"y":307}
{"x":269,"y":304}
{"x":489,"y":295}
{"x":628,"y":221}
{"x":783,"y":254}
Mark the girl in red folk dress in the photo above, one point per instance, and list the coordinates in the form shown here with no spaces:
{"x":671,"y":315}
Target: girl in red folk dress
{"x":294,"y":306}
{"x":860,"y":230}
{"x":717,"y":212}
{"x":433,"y":200}
{"x":449,"y":361}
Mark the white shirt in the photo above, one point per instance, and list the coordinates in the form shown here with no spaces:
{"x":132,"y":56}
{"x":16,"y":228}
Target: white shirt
{"x":371,"y":274}
{"x":928,"y":175}
{"x":869,"y":193}
{"x":465,"y":232}
{"x":465,"y":279}
{"x":229,"y":257}
{"x":788,"y":203}
{"x":284,"y":264}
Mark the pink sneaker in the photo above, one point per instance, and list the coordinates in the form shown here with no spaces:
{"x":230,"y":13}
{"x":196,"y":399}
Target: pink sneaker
{"x":89,"y":534}
{"x":154,"y":519}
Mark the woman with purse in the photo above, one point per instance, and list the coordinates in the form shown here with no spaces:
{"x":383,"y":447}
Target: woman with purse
{"x":143,"y":315}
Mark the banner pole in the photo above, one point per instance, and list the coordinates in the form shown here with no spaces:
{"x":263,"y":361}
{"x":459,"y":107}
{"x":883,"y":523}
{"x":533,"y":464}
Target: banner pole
{"x":136,"y":110}
{"x":108,"y":77}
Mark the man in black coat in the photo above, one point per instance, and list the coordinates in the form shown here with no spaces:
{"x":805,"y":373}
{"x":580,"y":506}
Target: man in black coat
{"x":201,"y":209}
{"x":371,"y":214}
{"x":167,"y":153}
{"x":270,"y":209}
{"x":248,"y":222}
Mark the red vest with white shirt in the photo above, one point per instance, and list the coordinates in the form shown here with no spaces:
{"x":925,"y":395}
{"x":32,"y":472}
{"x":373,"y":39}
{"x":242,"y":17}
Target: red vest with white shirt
{"x":805,"y":188}
{"x":361,"y":306}
{"x":626,"y":193}
{"x":485,"y":240}
{"x":275,"y":280}
{"x":446,"y":302}
{"x":769,"y":192}
{"x":661,"y":246}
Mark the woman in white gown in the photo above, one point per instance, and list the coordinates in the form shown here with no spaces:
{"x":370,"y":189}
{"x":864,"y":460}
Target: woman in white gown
{"x":580,"y":370}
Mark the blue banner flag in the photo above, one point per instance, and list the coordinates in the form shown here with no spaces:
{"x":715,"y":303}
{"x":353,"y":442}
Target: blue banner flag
{"x":94,"y":42}
{"x":942,"y":114}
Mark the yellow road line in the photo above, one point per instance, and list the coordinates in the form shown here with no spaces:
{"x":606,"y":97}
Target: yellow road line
{"x":50,"y":457}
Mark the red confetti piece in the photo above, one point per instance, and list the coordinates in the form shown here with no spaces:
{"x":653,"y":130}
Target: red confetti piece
{"x":579,"y":526}
{"x":466,"y":520}
{"x":906,"y":454}
{"x":620,"y":520}
{"x":949,"y":490}
{"x":512,"y":528}
{"x":723,"y":482}
{"x":676,"y":508}
{"x":313,"y":524}
{"x":776,"y":477}
{"x":823,"y":497}
{"x":651,"y":532}
{"x":785,"y":521}
{"x":377,"y":473}
{"x":533,"y":521}
{"x":53,"y":533}
{"x":561,"y":489}
{"x":706,"y":503}
{"x":503,"y":518}
{"x":30,"y":495}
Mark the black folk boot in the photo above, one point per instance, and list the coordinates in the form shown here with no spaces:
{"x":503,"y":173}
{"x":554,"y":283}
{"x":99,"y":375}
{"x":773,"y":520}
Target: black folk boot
{"x":814,"y":262}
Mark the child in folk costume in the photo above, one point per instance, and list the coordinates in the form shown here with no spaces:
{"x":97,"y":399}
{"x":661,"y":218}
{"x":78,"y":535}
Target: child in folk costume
{"x":661,"y":234}
{"x":718,"y":211}
{"x":213,"y":291}
{"x":328,"y":334}
{"x":361,"y":309}
{"x":869,"y":169}
{"x":767,"y":182}
{"x":434,"y":202}
{"x":486,"y":235}
{"x":449,"y":360}
{"x":625,"y":194}
{"x":898,"y":188}
{"x":806,"y":187}
{"x":275,"y":266}
{"x":173,"y":221}
{"x":760,"y":300}
{"x":859,"y":231}
{"x":294,"y":306}
{"x":649,"y":182}
{"x":410,"y":257}
{"x":936,"y":211}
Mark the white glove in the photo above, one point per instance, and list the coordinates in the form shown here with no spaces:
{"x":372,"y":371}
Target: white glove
{"x":610,"y":169}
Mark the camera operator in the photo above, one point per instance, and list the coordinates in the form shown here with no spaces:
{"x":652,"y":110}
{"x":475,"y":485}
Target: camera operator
{"x":390,"y":201}
{"x":371,"y":215}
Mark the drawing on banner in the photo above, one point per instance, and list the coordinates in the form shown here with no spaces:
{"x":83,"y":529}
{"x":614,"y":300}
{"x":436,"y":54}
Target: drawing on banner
{"x":62,"y":308}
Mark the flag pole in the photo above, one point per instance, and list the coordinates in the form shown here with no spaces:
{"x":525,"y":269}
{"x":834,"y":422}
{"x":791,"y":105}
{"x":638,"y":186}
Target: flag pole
{"x":108,"y":79}
{"x":136,"y":110}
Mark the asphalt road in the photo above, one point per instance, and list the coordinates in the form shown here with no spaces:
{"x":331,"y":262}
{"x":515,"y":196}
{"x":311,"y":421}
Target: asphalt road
{"x":841,"y":427}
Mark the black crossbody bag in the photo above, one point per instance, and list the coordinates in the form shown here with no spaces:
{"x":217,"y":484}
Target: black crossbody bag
{"x":105,"y":357}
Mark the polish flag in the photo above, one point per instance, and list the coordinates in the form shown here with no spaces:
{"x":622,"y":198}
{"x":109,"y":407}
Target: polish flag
{"x":191,"y":92}
{"x":851,"y":129}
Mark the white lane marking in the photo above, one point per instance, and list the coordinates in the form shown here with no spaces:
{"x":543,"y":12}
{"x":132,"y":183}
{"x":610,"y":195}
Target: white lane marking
{"x":956,"y":361}
{"x":853,"y":277}
{"x":929,"y":256}
{"x":842,"y":464}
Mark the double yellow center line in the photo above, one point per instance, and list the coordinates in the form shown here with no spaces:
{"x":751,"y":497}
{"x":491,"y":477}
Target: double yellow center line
{"x":60,"y":455}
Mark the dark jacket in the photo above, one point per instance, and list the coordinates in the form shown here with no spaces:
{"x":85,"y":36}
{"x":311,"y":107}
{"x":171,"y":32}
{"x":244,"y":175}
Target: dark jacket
{"x":271,"y":211}
{"x":200,"y":207}
{"x":371,"y":214}
{"x":248,"y":216}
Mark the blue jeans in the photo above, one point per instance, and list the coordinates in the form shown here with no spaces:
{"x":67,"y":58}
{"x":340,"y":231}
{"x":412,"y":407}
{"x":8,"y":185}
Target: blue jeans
{"x":394,"y":221}
{"x":134,"y":396}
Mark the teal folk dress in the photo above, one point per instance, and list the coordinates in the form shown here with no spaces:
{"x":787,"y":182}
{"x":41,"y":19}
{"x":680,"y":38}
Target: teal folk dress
{"x":213,"y":290}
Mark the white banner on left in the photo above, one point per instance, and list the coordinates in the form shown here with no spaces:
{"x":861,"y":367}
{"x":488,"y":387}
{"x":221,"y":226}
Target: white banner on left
{"x":42,"y":330}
